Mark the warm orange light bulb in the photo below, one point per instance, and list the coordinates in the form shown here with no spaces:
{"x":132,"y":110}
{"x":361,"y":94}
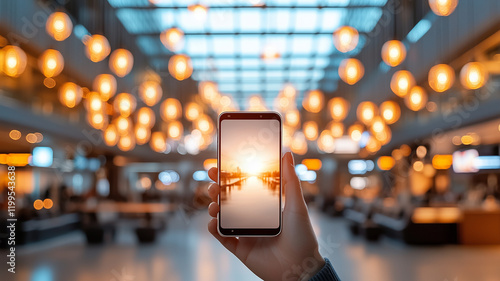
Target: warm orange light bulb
{"x":310,"y":129}
{"x":142,"y":134}
{"x":345,"y":38}
{"x":145,"y":117}
{"x":180,"y":67}
{"x":355,"y":131}
{"x":13,"y":60}
{"x":59,"y":26}
{"x":366,"y":112}
{"x":351,"y":71}
{"x":336,"y":129}
{"x":326,"y":142}
{"x":175,"y":130}
{"x":105,"y":84}
{"x":123,"y":125}
{"x":126,"y":143}
{"x":170,"y":109}
{"x":192,"y":111}
{"x":204,"y":124}
{"x":150,"y":92}
{"x":338,"y":108}
{"x":292,"y":118}
{"x":51,"y":63}
{"x":158,"y":142}
{"x":393,"y":52}
{"x":111,"y":135}
{"x":416,"y":99}
{"x":121,"y":62}
{"x":401,"y":83}
{"x":94,"y":102}
{"x":390,"y":112}
{"x":441,"y":77}
{"x":443,"y":7}
{"x":172,"y":39}
{"x":97,"y":48}
{"x":473,"y":75}
{"x":70,"y":94}
{"x":313,"y":101}
{"x":124,"y":104}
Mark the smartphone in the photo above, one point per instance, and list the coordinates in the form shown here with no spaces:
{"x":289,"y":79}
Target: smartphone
{"x":249,"y":165}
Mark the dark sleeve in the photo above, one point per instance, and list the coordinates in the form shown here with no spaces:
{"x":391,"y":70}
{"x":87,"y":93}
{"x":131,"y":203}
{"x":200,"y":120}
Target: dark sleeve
{"x":327,"y":273}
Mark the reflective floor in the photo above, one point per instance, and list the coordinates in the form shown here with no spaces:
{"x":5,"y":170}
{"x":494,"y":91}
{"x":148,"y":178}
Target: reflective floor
{"x":186,"y":251}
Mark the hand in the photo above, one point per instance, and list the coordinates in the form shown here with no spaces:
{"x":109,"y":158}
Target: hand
{"x":292,"y":255}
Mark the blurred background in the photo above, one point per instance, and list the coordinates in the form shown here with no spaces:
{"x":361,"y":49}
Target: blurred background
{"x":109,"y":115}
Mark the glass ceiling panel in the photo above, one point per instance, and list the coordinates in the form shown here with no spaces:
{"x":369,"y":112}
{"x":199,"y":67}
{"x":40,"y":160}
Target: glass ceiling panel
{"x":227,"y":46}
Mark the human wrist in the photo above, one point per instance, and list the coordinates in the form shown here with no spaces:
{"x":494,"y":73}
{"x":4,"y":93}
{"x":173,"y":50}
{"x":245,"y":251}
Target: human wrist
{"x":315,"y":263}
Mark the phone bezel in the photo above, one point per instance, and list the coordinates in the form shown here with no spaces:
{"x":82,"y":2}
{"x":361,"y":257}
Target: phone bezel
{"x":241,"y":115}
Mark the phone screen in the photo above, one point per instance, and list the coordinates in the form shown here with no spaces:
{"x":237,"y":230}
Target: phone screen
{"x":249,"y":178}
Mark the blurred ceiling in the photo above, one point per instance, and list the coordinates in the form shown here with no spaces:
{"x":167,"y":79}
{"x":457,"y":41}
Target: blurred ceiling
{"x":227,"y":45}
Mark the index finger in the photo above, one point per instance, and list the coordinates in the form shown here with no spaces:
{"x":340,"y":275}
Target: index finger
{"x":212,"y":173}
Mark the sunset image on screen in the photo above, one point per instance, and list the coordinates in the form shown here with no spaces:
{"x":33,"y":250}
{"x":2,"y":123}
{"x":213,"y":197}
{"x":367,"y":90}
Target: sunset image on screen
{"x":250,"y":173}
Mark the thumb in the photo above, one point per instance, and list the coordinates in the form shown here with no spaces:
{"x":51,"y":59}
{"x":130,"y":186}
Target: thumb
{"x":294,"y":200}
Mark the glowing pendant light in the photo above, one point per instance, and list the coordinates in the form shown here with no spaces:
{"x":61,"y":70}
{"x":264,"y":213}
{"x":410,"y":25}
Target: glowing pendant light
{"x":142,"y":134}
{"x":378,"y":125}
{"x":180,"y":67}
{"x":292,"y":118}
{"x":150,"y":92}
{"x":172,"y":39}
{"x":199,"y":11}
{"x":385,"y":136}
{"x":97,"y":119}
{"x":473,"y":75}
{"x":192,"y":111}
{"x":126,"y":143}
{"x":123,"y":125}
{"x":289,"y":91}
{"x":97,"y":48}
{"x":355,"y":131}
{"x":59,"y":26}
{"x":326,"y":142}
{"x":94,"y":102}
{"x":416,"y":99}
{"x":336,"y":129}
{"x":121,"y":62}
{"x":390,"y":112}
{"x":351,"y":71}
{"x":393,"y":52}
{"x":208,"y":90}
{"x":401,"y":83}
{"x":70,"y":94}
{"x":310,"y":129}
{"x":338,"y":108}
{"x":175,"y":130}
{"x":204,"y":124}
{"x":313,"y":101}
{"x":441,"y":77}
{"x":345,"y":38}
{"x":145,"y":117}
{"x":443,"y":7}
{"x":105,"y":84}
{"x":366,"y":112}
{"x":51,"y":63}
{"x":111,"y":135}
{"x":170,"y":109}
{"x":373,"y":145}
{"x":158,"y":142}
{"x":13,"y":60}
{"x":124,"y":104}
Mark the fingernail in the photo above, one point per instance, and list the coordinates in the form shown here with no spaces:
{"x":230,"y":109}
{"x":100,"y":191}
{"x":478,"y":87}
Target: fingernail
{"x":290,"y":158}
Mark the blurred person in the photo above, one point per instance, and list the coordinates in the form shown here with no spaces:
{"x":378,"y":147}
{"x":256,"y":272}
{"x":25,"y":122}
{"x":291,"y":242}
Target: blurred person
{"x":292,"y":255}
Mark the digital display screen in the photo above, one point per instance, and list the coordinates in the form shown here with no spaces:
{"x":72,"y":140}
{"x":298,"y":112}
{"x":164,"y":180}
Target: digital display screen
{"x":249,"y":178}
